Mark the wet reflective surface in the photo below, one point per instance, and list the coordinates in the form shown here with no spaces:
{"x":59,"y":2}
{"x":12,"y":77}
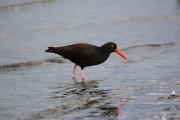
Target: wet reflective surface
{"x":36,"y":85}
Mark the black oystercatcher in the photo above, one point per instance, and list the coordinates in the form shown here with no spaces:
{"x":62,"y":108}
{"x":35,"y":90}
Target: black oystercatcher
{"x":84,"y":54}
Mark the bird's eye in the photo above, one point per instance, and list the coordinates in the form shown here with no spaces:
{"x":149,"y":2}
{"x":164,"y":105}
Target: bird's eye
{"x":112,"y":46}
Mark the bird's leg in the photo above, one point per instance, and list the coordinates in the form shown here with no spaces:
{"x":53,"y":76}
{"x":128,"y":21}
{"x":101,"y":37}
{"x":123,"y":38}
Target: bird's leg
{"x":74,"y":72}
{"x":82,"y":75}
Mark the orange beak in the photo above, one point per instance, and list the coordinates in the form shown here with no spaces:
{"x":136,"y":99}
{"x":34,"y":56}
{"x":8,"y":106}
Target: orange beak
{"x":121,"y":54}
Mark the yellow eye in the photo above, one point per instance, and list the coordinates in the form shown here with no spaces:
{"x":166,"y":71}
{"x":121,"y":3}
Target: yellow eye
{"x":112,"y":46}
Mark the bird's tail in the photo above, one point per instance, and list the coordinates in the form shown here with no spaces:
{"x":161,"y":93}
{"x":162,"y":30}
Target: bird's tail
{"x":50,"y":49}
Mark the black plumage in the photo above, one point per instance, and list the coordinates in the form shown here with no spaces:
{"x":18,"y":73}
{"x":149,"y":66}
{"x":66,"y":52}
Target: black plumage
{"x":84,"y":54}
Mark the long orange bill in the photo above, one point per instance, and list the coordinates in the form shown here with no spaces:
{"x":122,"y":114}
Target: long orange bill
{"x":121,"y":54}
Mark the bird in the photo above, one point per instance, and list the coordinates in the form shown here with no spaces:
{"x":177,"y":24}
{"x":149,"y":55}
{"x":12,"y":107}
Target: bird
{"x":84,"y":54}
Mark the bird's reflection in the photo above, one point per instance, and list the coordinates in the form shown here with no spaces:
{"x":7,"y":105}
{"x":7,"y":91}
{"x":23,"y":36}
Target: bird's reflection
{"x":77,"y":88}
{"x":87,"y":96}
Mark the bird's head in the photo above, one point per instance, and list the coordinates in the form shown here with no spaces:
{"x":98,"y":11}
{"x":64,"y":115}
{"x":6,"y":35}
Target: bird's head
{"x":112,"y":47}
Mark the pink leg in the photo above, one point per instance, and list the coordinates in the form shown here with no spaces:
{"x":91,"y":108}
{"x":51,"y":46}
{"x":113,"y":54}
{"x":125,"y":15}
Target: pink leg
{"x":82,"y":75}
{"x":74,"y":72}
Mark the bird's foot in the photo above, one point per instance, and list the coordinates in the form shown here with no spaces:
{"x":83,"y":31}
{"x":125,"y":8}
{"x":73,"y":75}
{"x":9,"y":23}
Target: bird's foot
{"x":73,"y":73}
{"x":83,"y":79}
{"x":74,"y":78}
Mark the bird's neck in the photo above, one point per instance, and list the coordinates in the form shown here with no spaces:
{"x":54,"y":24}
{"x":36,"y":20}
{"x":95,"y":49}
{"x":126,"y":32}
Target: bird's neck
{"x":105,"y":50}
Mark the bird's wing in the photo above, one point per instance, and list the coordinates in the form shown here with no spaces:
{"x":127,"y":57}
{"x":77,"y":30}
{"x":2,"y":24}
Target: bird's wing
{"x":79,"y":51}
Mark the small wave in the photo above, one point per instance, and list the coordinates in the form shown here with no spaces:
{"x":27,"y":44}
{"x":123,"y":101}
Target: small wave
{"x":22,"y":4}
{"x":60,"y":60}
{"x":148,"y":45}
{"x":30,"y":63}
{"x":54,"y":60}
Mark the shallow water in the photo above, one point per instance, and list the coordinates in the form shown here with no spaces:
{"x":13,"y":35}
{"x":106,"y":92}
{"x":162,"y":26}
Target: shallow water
{"x":37,"y":85}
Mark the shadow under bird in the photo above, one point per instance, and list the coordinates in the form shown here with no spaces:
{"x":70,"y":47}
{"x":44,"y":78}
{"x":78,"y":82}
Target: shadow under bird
{"x":84,"y":54}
